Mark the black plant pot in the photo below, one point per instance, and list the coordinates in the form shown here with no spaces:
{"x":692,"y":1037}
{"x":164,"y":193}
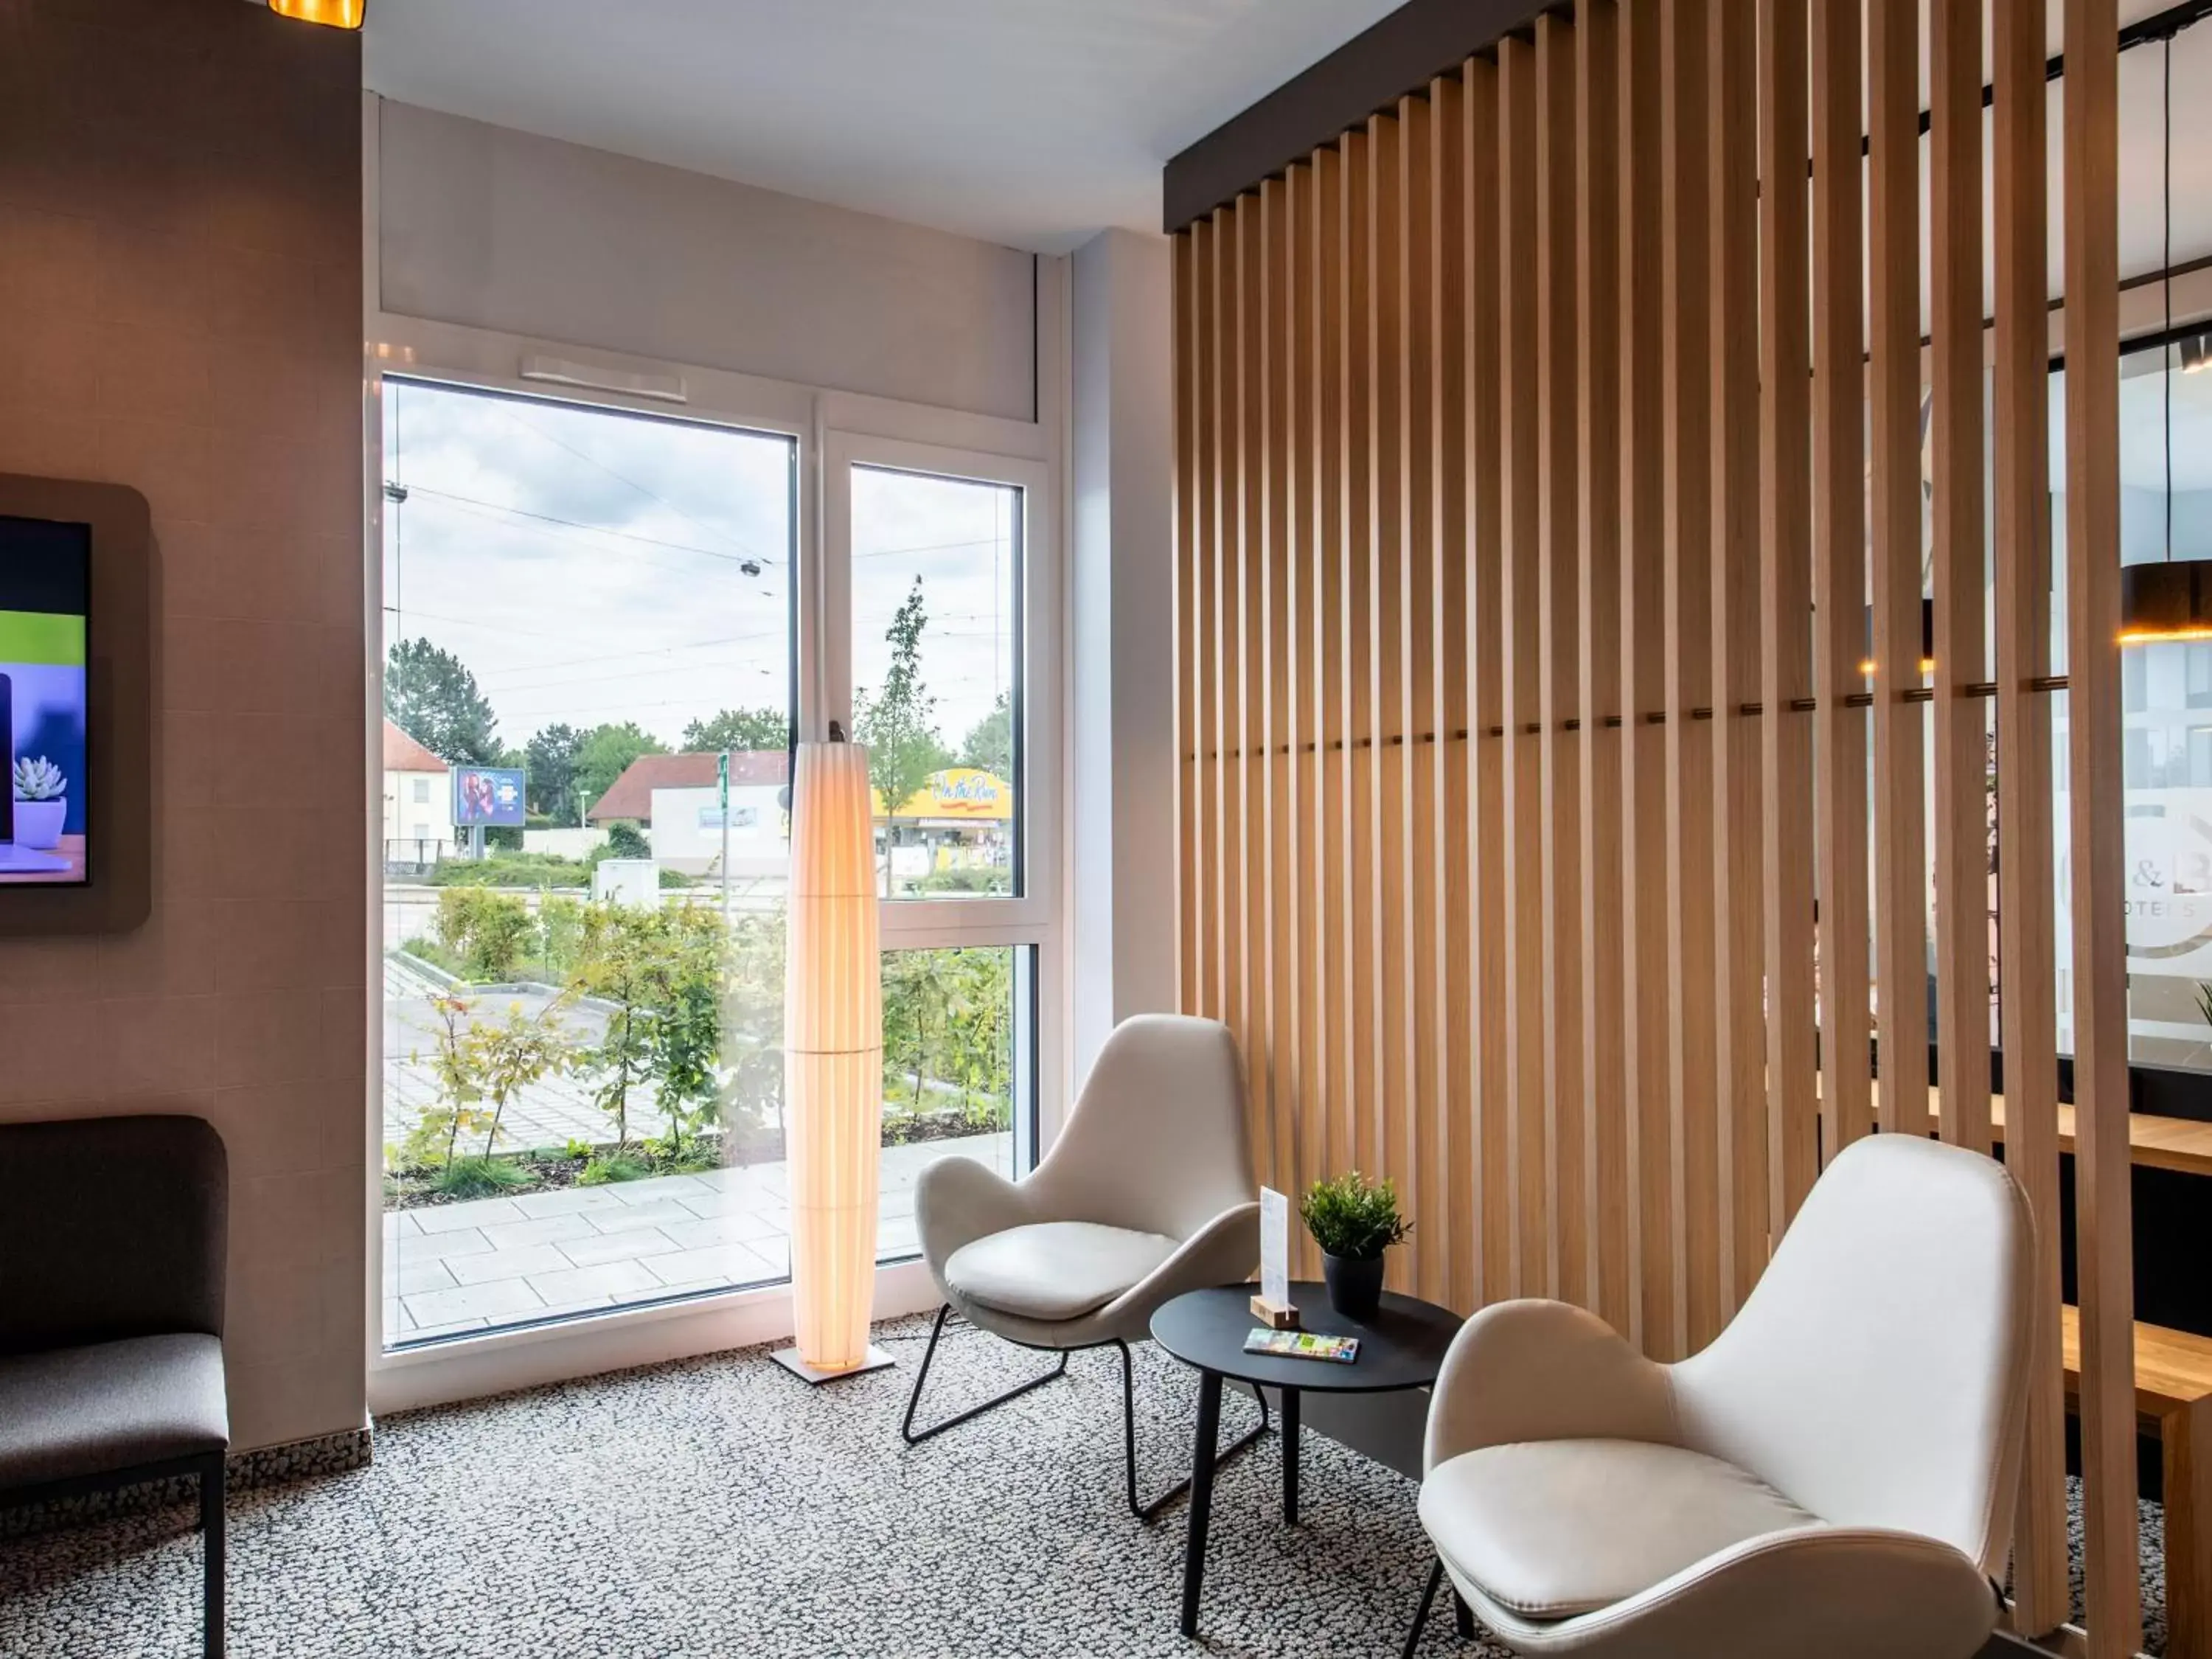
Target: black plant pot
{"x":1355,"y":1288}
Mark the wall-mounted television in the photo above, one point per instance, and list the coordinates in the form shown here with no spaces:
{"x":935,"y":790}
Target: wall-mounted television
{"x":46,"y":619}
{"x":77,"y":665}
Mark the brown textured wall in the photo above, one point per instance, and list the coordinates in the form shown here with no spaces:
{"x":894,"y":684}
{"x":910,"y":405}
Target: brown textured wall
{"x":180,"y":312}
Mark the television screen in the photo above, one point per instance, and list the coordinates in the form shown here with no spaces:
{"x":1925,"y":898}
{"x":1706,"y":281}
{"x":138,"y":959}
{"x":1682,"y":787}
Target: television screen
{"x":45,"y":582}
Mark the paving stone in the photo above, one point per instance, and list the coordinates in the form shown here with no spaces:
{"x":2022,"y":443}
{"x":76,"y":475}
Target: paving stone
{"x":507,"y":1264}
{"x":502,"y":1298}
{"x":632,"y":1246}
{"x":544,"y":1229}
{"x":609,"y":1279}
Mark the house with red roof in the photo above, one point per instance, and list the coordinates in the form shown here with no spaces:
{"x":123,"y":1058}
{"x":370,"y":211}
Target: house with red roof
{"x":676,"y":800}
{"x":418,"y":802}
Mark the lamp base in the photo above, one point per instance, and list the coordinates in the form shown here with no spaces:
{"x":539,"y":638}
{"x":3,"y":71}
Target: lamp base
{"x":877,"y":1360}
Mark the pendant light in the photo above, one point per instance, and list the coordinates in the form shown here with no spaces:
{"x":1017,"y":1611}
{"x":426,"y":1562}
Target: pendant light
{"x":2171,"y":599}
{"x":338,"y":14}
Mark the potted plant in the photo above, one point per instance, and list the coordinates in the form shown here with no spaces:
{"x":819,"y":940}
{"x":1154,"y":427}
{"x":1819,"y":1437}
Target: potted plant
{"x":41,"y":803}
{"x":1354,"y":1220}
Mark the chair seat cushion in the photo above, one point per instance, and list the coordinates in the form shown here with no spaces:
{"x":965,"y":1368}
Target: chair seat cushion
{"x":1553,"y":1527}
{"x":110,"y":1405}
{"x":1054,"y":1270}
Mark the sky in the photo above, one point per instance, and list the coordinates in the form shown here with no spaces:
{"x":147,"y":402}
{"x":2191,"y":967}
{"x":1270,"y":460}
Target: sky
{"x":589,"y":566}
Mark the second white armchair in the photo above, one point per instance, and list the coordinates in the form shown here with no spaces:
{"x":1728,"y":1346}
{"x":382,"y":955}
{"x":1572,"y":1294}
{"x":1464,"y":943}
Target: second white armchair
{"x":1148,"y":1193}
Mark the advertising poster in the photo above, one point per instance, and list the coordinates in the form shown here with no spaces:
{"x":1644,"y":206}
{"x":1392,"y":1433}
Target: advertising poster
{"x":491,"y":796}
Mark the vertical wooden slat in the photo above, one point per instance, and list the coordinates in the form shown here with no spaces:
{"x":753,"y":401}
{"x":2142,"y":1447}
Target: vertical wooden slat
{"x":2103,"y":1249}
{"x":1218,"y":366}
{"x":1496,"y":1221}
{"x":1740,"y":1033}
{"x":1247,"y":808}
{"x":1839,"y":572}
{"x":1188,"y":426}
{"x":2026,"y":977}
{"x":1646,"y":1056}
{"x":1901,"y":870}
{"x":1363,"y":911}
{"x":1415,"y":988}
{"x":1386,"y":489}
{"x":1785,"y":570}
{"x":1606,"y":1109}
{"x":1448,"y":1146}
{"x":1272,"y":773}
{"x":1302,"y":765}
{"x":1332,"y":634}
{"x":1521,"y":665}
{"x":1559,"y":608}
{"x":1962,"y":869}
{"x":1694,"y":1122}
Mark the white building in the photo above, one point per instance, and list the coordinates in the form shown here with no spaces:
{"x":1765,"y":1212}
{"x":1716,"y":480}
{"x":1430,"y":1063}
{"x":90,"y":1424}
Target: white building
{"x":418,"y":802}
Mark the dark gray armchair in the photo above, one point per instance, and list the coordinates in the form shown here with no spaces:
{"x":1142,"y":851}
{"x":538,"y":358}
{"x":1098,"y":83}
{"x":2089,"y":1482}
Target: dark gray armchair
{"x":111,"y":1260}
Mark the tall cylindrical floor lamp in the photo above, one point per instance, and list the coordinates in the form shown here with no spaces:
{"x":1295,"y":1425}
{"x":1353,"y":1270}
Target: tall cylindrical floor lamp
{"x":834,"y":1061}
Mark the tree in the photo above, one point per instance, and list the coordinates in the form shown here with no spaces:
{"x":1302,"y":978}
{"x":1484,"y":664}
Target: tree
{"x":898,"y":722}
{"x":548,"y":765}
{"x":431,"y":696}
{"x":606,"y":753}
{"x":738,"y":729}
{"x":989,"y":746}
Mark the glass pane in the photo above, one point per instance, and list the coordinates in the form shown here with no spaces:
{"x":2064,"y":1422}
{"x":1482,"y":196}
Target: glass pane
{"x":937,"y":650}
{"x":587,"y":624}
{"x":955,"y":1070}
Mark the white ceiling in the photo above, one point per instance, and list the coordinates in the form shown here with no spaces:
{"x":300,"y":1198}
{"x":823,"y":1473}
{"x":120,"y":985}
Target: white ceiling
{"x":1033,"y":123}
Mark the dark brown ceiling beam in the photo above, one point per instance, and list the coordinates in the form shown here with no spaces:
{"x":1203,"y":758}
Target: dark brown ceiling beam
{"x":1370,"y":72}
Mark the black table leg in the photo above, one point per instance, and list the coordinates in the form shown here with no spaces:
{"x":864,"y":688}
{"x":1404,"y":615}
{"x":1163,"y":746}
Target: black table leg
{"x":1201,"y":1495}
{"x":1289,"y":1457}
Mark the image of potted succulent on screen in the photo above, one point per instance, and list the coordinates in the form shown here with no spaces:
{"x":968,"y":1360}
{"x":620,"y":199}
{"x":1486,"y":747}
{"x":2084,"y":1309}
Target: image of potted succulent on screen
{"x":44,"y":583}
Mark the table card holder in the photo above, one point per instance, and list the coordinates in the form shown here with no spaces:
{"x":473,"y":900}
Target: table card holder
{"x":1272,"y":1307}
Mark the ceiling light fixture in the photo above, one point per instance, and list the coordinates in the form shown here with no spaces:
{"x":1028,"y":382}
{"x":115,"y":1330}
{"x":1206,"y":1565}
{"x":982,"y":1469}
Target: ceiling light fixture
{"x":337,"y":14}
{"x":2173,"y":598}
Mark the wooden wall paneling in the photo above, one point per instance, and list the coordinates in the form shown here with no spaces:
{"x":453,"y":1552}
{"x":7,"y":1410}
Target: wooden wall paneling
{"x":1609,"y":1171}
{"x":1900,"y":870}
{"x":1448,"y":1146}
{"x":1188,"y":484}
{"x":1785,"y":587}
{"x":1385,"y":560}
{"x":1566,"y":1106}
{"x":1280,"y":898}
{"x":1364,"y":903}
{"x":1740,"y":1035}
{"x":1302,"y":763}
{"x":1687,"y":431}
{"x":1839,"y":484}
{"x":2104,"y":1252}
{"x":1496,"y":1212}
{"x":1248,"y":965}
{"x":1521,"y":665}
{"x":1961,"y":723}
{"x":2027,"y":973}
{"x":1332,"y":642}
{"x":1640,"y":355}
{"x":1415,"y":716}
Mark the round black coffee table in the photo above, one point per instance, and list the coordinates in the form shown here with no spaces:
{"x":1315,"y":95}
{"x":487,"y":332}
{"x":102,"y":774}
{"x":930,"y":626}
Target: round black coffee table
{"x":1401,"y":1347}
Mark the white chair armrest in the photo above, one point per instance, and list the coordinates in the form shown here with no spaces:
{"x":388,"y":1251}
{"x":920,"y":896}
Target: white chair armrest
{"x":958,"y":1200}
{"x":1822,"y":1593}
{"x":1544,"y":1370}
{"x":1225,"y":1251}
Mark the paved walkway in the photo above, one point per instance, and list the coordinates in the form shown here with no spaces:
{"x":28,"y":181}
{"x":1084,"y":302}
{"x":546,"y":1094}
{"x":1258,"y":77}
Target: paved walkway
{"x":454,"y":1268}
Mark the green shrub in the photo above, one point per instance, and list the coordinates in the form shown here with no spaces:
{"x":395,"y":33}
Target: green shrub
{"x":626,"y":840}
{"x":485,"y":930}
{"x":512,"y":870}
{"x":616,"y":1167}
{"x":1353,"y":1218}
{"x":478,"y":1177}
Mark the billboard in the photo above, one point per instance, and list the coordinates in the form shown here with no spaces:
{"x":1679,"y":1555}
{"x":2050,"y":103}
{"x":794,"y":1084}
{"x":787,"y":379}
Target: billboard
{"x":490,"y":795}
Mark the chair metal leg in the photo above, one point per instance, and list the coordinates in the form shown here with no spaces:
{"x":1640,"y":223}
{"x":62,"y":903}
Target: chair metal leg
{"x":907,"y":1429}
{"x":1421,"y":1613}
{"x":211,"y":1550}
{"x":1463,"y":1615}
{"x":1150,"y":1512}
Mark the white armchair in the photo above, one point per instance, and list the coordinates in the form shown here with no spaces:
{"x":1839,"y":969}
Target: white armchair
{"x":1148,"y":1193}
{"x":1832,"y":1477}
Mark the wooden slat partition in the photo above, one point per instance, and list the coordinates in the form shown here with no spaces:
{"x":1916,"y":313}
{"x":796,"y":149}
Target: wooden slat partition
{"x":2027,"y":970}
{"x":1544,"y":446}
{"x":2104,"y":1248}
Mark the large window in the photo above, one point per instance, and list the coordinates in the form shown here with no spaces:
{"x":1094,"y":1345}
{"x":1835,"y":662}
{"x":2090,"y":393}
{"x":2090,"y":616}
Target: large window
{"x":600,"y":630}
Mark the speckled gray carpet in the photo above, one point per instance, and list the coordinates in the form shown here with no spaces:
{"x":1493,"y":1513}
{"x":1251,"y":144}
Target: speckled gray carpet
{"x":716,"y":1507}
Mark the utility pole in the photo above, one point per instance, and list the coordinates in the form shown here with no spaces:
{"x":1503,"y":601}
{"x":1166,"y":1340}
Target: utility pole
{"x":722,"y":779}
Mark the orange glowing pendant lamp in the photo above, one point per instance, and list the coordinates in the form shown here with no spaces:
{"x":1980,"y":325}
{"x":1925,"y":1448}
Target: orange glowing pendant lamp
{"x":338,"y":14}
{"x":834,"y":1059}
